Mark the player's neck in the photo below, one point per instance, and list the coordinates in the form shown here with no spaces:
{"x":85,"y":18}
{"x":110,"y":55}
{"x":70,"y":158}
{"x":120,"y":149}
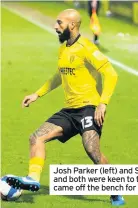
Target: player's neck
{"x":74,"y":37}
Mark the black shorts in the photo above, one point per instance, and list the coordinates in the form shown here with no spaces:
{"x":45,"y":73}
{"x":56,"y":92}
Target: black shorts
{"x":75,"y":121}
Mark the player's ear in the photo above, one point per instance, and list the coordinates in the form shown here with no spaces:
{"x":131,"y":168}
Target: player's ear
{"x":72,"y":25}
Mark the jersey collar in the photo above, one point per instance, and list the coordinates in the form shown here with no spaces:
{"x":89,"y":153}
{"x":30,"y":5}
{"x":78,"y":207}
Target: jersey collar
{"x":74,"y":41}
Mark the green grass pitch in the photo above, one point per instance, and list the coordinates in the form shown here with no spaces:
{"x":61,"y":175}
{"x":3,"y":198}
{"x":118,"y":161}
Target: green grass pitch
{"x":29,"y":58}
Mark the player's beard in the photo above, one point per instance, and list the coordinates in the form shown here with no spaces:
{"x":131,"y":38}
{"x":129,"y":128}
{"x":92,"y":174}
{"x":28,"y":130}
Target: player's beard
{"x":64,"y":36}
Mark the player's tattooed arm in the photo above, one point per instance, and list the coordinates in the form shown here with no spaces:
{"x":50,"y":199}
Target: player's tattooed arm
{"x":91,"y":144}
{"x":50,"y":85}
{"x":45,"y":132}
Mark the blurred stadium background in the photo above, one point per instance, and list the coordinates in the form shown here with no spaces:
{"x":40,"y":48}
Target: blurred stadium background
{"x":126,"y":9}
{"x":29,"y":58}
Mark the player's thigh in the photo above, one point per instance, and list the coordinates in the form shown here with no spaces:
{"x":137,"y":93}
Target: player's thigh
{"x":85,"y":120}
{"x":91,"y":139}
{"x":46,"y":132}
{"x":91,"y":143}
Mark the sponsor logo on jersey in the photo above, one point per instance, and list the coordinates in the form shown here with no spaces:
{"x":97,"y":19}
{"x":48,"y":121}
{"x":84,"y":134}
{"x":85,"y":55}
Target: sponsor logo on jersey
{"x":67,"y":71}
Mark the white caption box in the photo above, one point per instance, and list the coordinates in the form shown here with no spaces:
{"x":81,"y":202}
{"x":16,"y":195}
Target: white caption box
{"x":93,"y":179}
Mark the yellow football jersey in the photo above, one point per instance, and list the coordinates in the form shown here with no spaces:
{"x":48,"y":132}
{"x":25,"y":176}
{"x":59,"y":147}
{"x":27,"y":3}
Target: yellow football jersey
{"x":79,"y":70}
{"x":78,"y":66}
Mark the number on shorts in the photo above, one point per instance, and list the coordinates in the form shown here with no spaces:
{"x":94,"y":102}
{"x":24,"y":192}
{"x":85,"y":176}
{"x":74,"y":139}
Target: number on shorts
{"x":87,"y":122}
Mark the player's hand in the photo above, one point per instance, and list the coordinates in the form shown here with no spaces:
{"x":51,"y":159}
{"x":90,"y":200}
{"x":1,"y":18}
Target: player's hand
{"x":100,"y":114}
{"x":29,"y":99}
